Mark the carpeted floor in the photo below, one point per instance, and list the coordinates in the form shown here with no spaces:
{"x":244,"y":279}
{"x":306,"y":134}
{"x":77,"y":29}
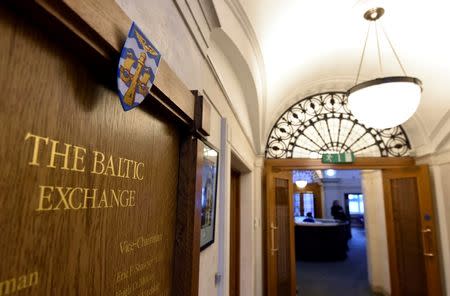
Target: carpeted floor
{"x":347,"y":277}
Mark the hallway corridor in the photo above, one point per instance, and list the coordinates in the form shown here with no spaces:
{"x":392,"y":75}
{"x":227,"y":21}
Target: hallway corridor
{"x":347,"y":277}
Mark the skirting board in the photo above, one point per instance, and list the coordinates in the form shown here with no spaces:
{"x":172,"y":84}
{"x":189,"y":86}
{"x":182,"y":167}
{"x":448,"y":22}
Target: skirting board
{"x":379,"y":291}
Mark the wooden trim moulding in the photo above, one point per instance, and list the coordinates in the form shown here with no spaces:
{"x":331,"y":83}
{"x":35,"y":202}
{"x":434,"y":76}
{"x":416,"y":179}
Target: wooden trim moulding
{"x":360,"y":163}
{"x":104,"y":26}
{"x":187,"y":234}
{"x":202,"y":120}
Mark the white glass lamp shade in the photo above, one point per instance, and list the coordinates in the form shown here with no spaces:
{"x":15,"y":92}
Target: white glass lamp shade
{"x":301,"y":183}
{"x":385,"y":102}
{"x":330,"y":172}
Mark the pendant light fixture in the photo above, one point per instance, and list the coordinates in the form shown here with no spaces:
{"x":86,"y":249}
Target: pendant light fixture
{"x":303,"y":178}
{"x":301,"y":183}
{"x":388,"y":101}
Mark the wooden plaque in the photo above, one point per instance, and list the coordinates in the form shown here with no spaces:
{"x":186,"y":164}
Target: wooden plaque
{"x":88,"y":192}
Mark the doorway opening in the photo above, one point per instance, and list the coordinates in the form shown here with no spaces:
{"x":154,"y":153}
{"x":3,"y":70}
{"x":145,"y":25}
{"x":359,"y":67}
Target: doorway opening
{"x":402,"y":206}
{"x":330,"y":238}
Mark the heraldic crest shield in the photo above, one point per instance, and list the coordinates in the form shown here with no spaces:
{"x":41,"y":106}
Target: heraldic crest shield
{"x":138,"y":64}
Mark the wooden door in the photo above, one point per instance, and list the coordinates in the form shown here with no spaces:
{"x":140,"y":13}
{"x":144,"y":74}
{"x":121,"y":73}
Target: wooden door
{"x":280,"y":254}
{"x":234,"y":233}
{"x":410,"y":221}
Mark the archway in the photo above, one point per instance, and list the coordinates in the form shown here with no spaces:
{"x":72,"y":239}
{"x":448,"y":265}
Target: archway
{"x":323,"y":123}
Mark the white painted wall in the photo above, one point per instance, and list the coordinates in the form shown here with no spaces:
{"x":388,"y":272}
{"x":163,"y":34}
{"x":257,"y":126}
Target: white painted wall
{"x":258,"y":235}
{"x":443,"y":202}
{"x":166,"y":28}
{"x":209,"y":258}
{"x":233,"y":24}
{"x":370,"y":184}
{"x":231,"y":84}
{"x":440,"y":170}
{"x":376,"y":233}
{"x":249,"y":184}
{"x":223,"y":216}
{"x":333,"y":191}
{"x":247,"y":243}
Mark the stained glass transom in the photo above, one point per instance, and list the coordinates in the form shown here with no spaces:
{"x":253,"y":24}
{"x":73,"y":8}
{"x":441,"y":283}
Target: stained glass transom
{"x":322,"y":123}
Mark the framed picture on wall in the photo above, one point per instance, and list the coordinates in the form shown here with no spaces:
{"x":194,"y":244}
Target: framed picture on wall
{"x":209,"y":191}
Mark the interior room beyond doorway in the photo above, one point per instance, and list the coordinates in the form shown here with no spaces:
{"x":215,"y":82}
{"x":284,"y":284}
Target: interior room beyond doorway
{"x":330,"y":233}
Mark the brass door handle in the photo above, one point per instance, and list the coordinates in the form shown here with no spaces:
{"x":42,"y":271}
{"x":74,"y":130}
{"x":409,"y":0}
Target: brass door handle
{"x":424,"y":240}
{"x":272,"y":229}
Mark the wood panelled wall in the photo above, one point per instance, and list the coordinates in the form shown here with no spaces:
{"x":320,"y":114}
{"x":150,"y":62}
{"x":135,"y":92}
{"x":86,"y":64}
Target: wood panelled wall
{"x":93,"y":200}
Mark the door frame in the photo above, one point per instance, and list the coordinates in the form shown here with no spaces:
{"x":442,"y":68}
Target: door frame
{"x":235,"y":232}
{"x":272,"y":166}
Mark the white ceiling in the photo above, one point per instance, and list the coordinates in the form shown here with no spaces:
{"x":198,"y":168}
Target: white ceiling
{"x":314,"y":46}
{"x":344,"y":174}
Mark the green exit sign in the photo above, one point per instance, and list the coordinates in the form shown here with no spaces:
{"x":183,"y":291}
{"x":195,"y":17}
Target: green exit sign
{"x":347,"y":157}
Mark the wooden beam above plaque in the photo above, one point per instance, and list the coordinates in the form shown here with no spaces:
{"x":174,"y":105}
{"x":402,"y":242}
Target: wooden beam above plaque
{"x":202,"y":120}
{"x":103,"y":25}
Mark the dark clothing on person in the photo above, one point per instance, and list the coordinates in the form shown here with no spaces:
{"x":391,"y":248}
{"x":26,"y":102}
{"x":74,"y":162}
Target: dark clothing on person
{"x":309,"y":218}
{"x":338,"y":213}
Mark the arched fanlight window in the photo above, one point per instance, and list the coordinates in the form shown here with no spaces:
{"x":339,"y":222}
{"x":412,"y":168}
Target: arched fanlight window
{"x":322,"y":123}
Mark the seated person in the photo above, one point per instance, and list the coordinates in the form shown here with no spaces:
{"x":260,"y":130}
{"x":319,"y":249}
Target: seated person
{"x":309,"y":218}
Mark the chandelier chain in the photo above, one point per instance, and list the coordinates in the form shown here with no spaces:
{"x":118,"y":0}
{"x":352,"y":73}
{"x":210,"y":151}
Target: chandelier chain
{"x":362,"y":55}
{"x":393,"y":50}
{"x":379,"y":51}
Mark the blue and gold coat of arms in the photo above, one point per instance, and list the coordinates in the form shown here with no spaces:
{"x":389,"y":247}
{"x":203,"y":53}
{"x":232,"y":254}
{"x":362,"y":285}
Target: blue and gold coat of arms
{"x":138,"y":64}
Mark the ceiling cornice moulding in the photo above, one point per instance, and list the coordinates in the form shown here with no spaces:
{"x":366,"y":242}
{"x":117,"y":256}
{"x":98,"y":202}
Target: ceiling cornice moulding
{"x":239,"y":12}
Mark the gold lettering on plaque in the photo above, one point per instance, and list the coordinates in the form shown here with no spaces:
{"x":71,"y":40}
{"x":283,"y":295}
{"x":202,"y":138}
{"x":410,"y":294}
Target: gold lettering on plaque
{"x":96,"y":162}
{"x":14,"y":285}
{"x":153,"y":289}
{"x":43,"y":197}
{"x":92,"y":197}
{"x":110,"y":167}
{"x":64,"y":154}
{"x":137,"y":268}
{"x":71,"y":198}
{"x":67,"y":198}
{"x":78,"y":158}
{"x":71,"y":157}
{"x":120,"y":167}
{"x":137,"y":171}
{"x":37,"y":141}
{"x":103,"y":203}
{"x":140,"y":242}
{"x":139,"y":284}
{"x":132,"y":201}
{"x":62,"y":196}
